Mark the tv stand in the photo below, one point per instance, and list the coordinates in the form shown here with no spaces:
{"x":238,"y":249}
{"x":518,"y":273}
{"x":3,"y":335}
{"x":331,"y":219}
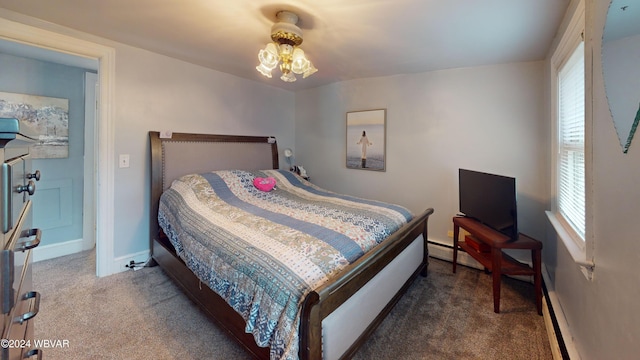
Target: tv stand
{"x":496,"y":260}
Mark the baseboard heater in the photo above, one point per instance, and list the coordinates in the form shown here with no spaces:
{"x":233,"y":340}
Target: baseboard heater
{"x":440,"y":244}
{"x":556,"y":326}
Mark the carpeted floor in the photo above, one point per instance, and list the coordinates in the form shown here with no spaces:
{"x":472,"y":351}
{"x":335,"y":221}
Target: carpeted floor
{"x":143,"y":315}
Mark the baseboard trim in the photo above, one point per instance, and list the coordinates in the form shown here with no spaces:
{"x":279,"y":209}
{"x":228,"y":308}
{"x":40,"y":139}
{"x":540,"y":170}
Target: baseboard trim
{"x":46,"y":252}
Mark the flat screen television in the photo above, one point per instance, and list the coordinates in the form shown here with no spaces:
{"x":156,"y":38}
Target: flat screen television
{"x":490,"y":199}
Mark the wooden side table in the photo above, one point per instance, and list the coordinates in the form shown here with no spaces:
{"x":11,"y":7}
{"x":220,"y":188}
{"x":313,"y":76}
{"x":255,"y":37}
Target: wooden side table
{"x":496,"y":260}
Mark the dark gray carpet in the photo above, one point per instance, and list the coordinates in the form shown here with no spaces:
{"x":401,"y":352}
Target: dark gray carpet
{"x":143,"y":315}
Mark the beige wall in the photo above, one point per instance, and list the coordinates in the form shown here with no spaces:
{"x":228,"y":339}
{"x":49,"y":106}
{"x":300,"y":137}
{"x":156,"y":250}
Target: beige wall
{"x":484,"y":118}
{"x":155,"y":92}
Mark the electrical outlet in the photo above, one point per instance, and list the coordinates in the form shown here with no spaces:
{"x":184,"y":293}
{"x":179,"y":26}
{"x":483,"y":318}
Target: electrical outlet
{"x":124,"y":161}
{"x":450,"y":234}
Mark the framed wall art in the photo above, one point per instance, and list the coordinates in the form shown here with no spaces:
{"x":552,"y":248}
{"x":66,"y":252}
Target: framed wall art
{"x":46,"y":117}
{"x":366,"y":139}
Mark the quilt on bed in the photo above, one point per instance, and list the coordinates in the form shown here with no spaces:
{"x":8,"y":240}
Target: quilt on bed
{"x":264,"y":251}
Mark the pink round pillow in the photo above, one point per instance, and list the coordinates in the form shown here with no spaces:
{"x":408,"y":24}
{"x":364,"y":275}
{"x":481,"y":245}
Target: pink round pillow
{"x":264,"y":184}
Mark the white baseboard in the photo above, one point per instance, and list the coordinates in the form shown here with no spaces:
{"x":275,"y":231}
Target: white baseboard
{"x":47,"y":252}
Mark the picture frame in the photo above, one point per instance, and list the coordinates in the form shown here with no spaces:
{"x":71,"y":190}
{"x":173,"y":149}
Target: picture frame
{"x":366,"y":139}
{"x":45,"y":117}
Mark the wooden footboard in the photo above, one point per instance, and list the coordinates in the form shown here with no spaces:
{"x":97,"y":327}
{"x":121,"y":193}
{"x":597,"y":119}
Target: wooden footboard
{"x":322,"y":302}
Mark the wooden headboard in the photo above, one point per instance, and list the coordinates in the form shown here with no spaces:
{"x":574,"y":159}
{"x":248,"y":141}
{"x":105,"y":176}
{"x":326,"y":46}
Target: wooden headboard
{"x":184,"y":153}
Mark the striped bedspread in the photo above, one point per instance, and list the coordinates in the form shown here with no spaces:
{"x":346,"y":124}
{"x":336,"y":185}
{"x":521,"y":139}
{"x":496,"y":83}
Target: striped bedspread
{"x":264,"y":251}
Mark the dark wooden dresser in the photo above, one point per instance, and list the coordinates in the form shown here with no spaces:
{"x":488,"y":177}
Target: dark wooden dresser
{"x":18,"y":301}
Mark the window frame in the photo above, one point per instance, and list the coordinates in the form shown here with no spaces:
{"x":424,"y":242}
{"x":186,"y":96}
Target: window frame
{"x":581,"y":250}
{"x":564,"y":214}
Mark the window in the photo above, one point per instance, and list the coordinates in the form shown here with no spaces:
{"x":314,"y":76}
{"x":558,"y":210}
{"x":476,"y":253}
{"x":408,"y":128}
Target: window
{"x":570,"y":161}
{"x":570,"y":212}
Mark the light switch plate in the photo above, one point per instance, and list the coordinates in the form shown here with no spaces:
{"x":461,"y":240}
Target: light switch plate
{"x":124,"y":160}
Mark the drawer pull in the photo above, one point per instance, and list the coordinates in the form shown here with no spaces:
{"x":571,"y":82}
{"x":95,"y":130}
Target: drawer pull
{"x":30,"y":188}
{"x":35,"y":175}
{"x":29,"y":244}
{"x":36,"y":307}
{"x":32,"y":352}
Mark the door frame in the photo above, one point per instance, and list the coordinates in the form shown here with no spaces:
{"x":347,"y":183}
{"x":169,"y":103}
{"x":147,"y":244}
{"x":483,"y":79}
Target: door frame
{"x":104,"y":129}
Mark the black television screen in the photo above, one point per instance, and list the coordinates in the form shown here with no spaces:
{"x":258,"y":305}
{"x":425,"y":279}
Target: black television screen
{"x":490,"y":199}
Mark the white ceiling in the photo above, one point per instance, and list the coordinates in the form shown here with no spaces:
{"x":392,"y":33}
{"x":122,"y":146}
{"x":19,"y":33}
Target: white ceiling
{"x":345,"y":39}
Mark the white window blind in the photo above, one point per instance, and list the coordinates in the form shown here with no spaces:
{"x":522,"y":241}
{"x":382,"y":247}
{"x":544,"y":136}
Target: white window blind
{"x":571,"y":155}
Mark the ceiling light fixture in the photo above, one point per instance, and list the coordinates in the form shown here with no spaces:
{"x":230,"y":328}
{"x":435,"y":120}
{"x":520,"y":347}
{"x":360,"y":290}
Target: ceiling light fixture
{"x":286,"y":36}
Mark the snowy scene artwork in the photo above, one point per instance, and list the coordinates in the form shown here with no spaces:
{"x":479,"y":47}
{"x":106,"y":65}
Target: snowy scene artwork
{"x":46,"y":117}
{"x":366,"y":139}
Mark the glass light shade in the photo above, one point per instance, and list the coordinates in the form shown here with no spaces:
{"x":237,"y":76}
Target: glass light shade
{"x":264,"y":70}
{"x":269,"y":56}
{"x":299,"y":63}
{"x":288,"y":77}
{"x":310,"y":70}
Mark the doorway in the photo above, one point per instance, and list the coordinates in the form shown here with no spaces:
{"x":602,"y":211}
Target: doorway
{"x":60,"y":46}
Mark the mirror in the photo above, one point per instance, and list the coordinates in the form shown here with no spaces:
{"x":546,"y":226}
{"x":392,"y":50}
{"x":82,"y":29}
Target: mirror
{"x":621,"y":67}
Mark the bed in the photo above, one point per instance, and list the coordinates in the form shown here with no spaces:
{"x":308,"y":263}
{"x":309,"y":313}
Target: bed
{"x":335,"y":317}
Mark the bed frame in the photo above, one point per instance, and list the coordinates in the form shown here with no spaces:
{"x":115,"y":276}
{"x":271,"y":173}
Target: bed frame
{"x":182,"y":154}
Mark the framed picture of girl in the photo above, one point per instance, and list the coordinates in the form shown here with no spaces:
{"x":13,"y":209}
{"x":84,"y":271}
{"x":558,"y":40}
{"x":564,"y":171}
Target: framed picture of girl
{"x":366,"y":139}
